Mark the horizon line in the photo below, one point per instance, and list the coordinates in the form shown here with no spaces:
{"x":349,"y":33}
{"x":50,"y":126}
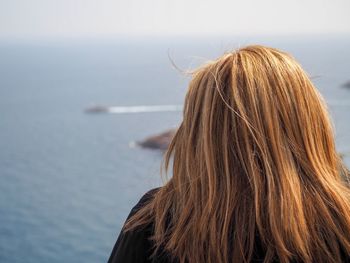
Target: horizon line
{"x":152,"y":37}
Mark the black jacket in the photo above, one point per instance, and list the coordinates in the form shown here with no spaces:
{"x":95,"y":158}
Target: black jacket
{"x":134,"y":246}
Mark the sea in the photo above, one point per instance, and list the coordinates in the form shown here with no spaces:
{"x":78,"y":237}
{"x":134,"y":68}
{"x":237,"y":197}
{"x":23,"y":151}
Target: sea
{"x":68,"y":179}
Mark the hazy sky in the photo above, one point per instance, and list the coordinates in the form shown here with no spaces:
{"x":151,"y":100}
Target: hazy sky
{"x":66,"y":18}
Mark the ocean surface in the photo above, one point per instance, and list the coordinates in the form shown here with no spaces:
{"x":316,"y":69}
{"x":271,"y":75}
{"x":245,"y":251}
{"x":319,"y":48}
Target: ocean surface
{"x":69,"y":179}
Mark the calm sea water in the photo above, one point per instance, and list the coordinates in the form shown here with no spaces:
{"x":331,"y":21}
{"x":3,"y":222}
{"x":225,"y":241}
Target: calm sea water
{"x":69,"y":179}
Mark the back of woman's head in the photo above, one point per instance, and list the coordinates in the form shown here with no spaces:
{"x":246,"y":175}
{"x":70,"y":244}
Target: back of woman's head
{"x":255,"y":169}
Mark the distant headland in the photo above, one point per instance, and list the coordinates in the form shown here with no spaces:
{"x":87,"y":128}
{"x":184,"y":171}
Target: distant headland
{"x":346,"y":84}
{"x":160,"y":141}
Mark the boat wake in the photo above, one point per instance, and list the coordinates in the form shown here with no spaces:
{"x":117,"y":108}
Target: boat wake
{"x":134,"y":109}
{"x":169,"y":108}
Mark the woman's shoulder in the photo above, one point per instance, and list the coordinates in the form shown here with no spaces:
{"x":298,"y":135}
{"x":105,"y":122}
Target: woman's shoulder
{"x":145,"y":198}
{"x":134,"y":245}
{"x":148,"y":195}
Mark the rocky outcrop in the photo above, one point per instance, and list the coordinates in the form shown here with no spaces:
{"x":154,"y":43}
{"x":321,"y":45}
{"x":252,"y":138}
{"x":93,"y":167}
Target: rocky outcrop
{"x":347,"y":84}
{"x":97,"y":109}
{"x":160,"y":141}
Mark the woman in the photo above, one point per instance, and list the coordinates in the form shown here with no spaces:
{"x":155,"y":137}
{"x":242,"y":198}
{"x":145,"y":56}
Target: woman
{"x":256,"y":176}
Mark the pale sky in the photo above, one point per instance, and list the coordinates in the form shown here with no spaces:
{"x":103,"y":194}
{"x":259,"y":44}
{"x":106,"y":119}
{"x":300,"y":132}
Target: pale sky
{"x":89,"y":18}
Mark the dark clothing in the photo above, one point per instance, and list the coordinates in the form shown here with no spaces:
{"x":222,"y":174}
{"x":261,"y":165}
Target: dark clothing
{"x":134,"y":246}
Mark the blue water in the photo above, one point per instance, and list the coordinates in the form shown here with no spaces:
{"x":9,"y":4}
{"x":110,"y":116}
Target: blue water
{"x":69,"y":179}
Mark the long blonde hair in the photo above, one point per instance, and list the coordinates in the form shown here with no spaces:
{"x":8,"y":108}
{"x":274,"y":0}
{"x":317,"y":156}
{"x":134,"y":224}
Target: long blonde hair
{"x":254,"y":162}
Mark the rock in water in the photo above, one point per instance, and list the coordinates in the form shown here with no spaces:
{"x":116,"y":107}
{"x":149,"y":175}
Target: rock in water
{"x":160,"y":141}
{"x":97,"y":109}
{"x":347,"y":84}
